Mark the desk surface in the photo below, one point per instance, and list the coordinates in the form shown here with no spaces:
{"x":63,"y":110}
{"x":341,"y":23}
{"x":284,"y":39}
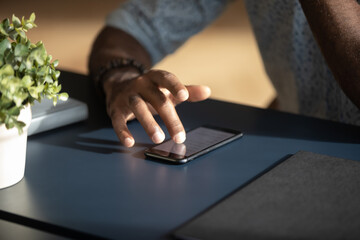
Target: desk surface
{"x":81,"y":181}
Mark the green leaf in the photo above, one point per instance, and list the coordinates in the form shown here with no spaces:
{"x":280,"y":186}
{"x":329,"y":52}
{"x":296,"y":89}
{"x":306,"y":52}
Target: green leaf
{"x":58,"y":89}
{"x":2,"y":117}
{"x":39,"y":43}
{"x":14,"y":111}
{"x":33,"y":92}
{"x":26,"y":81}
{"x":57,"y":74}
{"x":3,"y":32}
{"x":32,"y":17}
{"x":22,"y":67}
{"x":4,"y":45}
{"x":48,"y":59}
{"x":48,"y":79}
{"x":55,"y":101}
{"x":6,"y":70}
{"x":9,"y":123}
{"x":19,"y":97}
{"x":38,"y":54}
{"x":21,"y":50}
{"x":20,"y":125}
{"x":63,"y":96}
{"x":5,"y":27}
{"x":21,"y":34}
{"x":56,"y":63}
{"x":16,"y":21}
{"x":40,"y":88}
{"x":28,"y":26}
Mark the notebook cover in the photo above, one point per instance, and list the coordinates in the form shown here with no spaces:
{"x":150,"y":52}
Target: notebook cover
{"x":307,"y":196}
{"x":46,"y":116}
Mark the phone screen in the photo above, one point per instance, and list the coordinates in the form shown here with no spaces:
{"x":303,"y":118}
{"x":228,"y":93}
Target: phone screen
{"x":198,"y":141}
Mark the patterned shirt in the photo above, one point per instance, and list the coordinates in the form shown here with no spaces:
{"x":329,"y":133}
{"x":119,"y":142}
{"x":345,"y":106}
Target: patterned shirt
{"x":291,"y":56}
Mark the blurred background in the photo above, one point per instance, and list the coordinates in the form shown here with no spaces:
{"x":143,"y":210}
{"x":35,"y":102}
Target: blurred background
{"x":224,"y":56}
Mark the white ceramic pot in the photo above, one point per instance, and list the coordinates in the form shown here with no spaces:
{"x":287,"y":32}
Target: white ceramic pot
{"x":13,"y":151}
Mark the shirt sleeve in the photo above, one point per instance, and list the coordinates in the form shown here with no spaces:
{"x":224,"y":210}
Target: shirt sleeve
{"x":162,"y":26}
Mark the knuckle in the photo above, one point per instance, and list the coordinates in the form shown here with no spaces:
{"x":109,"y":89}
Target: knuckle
{"x":167,"y":75}
{"x":122,"y":130}
{"x":109,"y":107}
{"x":163,"y":101}
{"x":176,"y":125}
{"x":176,"y":85}
{"x":117,"y":110}
{"x":116,"y":115}
{"x":111,"y":112}
{"x":162,"y":74}
{"x":135,"y":84}
{"x":134,"y":101}
{"x":139,"y":79}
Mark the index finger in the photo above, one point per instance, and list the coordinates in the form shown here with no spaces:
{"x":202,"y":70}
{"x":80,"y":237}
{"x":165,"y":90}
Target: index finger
{"x":171,"y":82}
{"x":120,"y":127}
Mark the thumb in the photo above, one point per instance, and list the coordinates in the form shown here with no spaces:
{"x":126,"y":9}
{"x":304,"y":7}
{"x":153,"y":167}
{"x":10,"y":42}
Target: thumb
{"x":198,"y":92}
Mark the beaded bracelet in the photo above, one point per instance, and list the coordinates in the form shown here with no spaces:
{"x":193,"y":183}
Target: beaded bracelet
{"x":117,"y":64}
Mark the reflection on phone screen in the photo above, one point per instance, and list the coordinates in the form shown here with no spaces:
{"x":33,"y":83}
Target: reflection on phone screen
{"x":196,"y":140}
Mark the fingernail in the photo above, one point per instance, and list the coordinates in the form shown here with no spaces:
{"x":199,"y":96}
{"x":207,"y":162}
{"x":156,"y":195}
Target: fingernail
{"x":129,"y":142}
{"x":208,"y":90}
{"x":158,"y":137}
{"x":182,"y":94}
{"x":179,"y":137}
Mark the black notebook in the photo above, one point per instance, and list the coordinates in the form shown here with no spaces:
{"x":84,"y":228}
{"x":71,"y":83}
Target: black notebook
{"x":307,"y":196}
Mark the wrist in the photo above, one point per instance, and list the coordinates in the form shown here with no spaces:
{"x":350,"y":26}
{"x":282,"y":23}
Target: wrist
{"x":120,"y":69}
{"x":116,"y":76}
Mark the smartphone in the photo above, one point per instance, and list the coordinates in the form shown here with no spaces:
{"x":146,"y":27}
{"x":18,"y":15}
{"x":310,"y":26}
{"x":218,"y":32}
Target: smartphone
{"x":198,"y":142}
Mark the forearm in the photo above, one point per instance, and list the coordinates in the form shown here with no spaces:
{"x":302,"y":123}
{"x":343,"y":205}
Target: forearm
{"x":336,"y":27}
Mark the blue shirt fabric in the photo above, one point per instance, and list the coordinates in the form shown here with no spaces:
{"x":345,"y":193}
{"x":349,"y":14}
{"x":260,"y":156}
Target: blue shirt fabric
{"x":291,"y":57}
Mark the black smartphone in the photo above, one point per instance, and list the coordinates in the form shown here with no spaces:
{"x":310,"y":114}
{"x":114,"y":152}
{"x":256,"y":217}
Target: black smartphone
{"x":198,"y":142}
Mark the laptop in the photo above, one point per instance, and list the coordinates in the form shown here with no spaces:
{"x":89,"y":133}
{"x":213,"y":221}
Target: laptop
{"x":46,"y":116}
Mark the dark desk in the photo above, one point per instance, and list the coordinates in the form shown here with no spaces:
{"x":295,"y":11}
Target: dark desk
{"x":81,"y":182}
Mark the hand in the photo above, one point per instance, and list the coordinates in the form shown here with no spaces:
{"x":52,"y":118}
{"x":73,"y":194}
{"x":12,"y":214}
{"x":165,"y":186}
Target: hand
{"x":130,"y":96}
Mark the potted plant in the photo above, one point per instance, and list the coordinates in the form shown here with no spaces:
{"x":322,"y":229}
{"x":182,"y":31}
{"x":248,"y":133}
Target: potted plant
{"x":27,"y":74}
